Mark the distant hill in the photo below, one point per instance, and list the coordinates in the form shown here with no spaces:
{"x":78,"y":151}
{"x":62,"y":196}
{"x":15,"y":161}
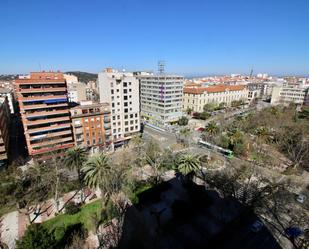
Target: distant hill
{"x":84,"y":76}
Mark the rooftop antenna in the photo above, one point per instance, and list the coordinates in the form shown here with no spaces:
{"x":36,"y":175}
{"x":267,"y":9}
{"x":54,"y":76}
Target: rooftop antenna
{"x":161,"y":67}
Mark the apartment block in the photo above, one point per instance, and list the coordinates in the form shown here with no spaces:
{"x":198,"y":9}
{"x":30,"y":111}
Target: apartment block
{"x":161,"y":98}
{"x":92,"y":125}
{"x":43,"y":104}
{"x":77,"y":92}
{"x":121,"y":90}
{"x":290,"y":93}
{"x":4,"y":130}
{"x":196,"y":97}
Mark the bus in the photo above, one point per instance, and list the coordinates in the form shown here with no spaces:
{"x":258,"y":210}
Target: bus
{"x":220,"y":150}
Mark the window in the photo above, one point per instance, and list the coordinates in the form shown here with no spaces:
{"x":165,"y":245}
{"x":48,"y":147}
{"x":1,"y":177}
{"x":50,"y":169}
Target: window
{"x":130,"y":90}
{"x":131,"y":115}
{"x":126,"y":123}
{"x":125,"y":91}
{"x":130,"y":83}
{"x":118,"y":116}
{"x":112,"y":91}
{"x":117,"y":90}
{"x":125,"y":84}
{"x":125,"y":116}
{"x":125,"y":103}
{"x":126,"y":110}
{"x":113,"y":104}
{"x":136,"y":115}
{"x":125,"y":97}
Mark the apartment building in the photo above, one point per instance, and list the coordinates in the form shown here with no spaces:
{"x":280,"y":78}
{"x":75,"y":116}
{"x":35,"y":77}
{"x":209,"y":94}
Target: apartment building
{"x":4,"y":130}
{"x":196,"y":97}
{"x":92,"y":125}
{"x":77,"y":92}
{"x":121,"y":90}
{"x":161,"y":98}
{"x":44,"y":110}
{"x":290,"y":93}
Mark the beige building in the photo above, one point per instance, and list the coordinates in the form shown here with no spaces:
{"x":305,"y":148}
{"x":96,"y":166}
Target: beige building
{"x":77,"y":92}
{"x":92,"y":125}
{"x":297,"y":94}
{"x":4,"y":130}
{"x":196,"y":97}
{"x":121,"y":91}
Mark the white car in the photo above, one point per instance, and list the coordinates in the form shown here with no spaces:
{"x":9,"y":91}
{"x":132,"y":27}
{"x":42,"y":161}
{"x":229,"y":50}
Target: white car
{"x":256,"y":226}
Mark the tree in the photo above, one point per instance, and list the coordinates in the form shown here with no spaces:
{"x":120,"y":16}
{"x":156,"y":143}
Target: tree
{"x":74,"y":160}
{"x":100,"y":173}
{"x":184,"y":134}
{"x":183,"y":121}
{"x":222,"y":105}
{"x":187,"y":164}
{"x":36,"y":237}
{"x":212,"y":128}
{"x":32,"y":190}
{"x":189,"y":111}
{"x":209,"y":107}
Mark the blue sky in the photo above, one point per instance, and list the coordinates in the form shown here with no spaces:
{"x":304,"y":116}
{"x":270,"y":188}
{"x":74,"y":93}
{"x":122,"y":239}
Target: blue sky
{"x":192,"y":36}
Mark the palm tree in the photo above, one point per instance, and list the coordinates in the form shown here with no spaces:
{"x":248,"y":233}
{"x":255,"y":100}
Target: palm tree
{"x":184,"y":134}
{"x":212,"y":128}
{"x":187,"y":164}
{"x":74,"y":160}
{"x":100,"y":173}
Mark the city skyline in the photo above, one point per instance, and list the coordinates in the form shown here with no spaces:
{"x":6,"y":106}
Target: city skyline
{"x":196,"y":38}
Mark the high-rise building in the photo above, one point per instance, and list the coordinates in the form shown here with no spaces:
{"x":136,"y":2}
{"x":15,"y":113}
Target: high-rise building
{"x":4,"y":130}
{"x":121,"y":90}
{"x":161,"y":98}
{"x":44,"y":110}
{"x":92,"y":125}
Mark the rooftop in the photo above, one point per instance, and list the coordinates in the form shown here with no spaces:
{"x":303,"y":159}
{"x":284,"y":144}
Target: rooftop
{"x":213,"y":89}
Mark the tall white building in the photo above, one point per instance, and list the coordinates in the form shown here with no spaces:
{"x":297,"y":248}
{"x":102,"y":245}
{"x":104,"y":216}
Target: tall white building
{"x":161,"y":98}
{"x":121,"y":90}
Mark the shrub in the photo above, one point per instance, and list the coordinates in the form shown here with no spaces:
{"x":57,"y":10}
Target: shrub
{"x":72,"y":208}
{"x":183,"y":121}
{"x":37,"y":237}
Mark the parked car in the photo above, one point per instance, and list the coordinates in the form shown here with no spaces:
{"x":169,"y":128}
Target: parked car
{"x":256,"y":226}
{"x":300,"y":198}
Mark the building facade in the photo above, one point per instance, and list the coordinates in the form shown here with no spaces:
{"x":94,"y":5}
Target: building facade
{"x":4,"y":130}
{"x":121,"y":90}
{"x":196,"y":97}
{"x":161,"y":98}
{"x":77,"y":92}
{"x":5,"y":92}
{"x":92,"y":125}
{"x":297,"y":94}
{"x":43,"y":104}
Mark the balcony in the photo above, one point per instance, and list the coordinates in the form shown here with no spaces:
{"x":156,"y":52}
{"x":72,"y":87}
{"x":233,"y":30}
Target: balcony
{"x":49,"y":128}
{"x":45,"y":113}
{"x":40,"y":90}
{"x":51,"y":135}
{"x":54,"y":141}
{"x":42,"y":97}
{"x":49,"y":149}
{"x":47,"y":120}
{"x":41,"y":106}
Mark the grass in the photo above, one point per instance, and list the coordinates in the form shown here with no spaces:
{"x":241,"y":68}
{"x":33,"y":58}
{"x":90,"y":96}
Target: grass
{"x":60,"y":223}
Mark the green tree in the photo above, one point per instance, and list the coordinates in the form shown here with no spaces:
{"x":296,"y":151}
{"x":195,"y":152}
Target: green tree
{"x":36,"y":237}
{"x":212,"y":128}
{"x":184,"y":136}
{"x":74,"y":160}
{"x":209,"y":107}
{"x":187,"y":164}
{"x":100,"y":173}
{"x":183,"y":121}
